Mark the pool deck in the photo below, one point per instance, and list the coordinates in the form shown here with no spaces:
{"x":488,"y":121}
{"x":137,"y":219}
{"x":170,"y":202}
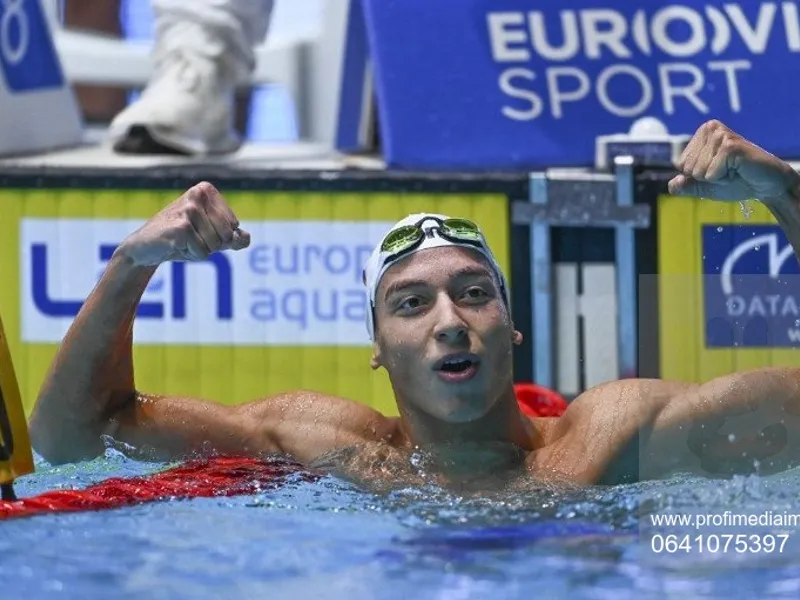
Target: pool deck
{"x":300,"y":166}
{"x":300,"y":156}
{"x":287,"y":161}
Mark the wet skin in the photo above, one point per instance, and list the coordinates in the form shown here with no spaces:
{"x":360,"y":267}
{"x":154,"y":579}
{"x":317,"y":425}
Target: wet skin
{"x":435,"y":304}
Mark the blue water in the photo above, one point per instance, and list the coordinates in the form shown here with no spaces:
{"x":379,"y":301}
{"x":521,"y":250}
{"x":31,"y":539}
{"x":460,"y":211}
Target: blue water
{"x":328,"y":539}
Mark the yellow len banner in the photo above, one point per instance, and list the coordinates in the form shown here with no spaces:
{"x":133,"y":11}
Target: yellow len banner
{"x":285,"y":314}
{"x":722,"y":307}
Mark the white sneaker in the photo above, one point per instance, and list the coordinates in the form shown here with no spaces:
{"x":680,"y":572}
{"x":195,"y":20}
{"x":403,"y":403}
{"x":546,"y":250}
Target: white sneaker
{"x":187,"y":108}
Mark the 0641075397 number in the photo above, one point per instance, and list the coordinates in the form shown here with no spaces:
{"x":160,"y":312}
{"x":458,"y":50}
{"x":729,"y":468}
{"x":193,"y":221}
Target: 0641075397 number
{"x":742,"y":543}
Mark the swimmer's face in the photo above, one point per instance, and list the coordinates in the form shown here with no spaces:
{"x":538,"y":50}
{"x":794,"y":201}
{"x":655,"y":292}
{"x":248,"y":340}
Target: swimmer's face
{"x":438,"y":303}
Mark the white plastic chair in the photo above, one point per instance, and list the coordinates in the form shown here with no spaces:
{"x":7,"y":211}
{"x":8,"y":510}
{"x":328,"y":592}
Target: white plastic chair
{"x":307,"y":67}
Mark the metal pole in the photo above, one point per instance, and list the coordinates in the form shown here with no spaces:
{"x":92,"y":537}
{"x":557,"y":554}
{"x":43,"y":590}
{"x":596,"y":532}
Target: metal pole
{"x":541,"y":287}
{"x":626,"y":272}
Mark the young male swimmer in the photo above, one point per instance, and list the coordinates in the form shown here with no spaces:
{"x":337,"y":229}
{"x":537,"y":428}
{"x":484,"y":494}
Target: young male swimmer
{"x":442,"y":330}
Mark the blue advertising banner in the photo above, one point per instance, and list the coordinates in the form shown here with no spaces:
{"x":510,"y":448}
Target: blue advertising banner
{"x":510,"y":84}
{"x":751,"y":287}
{"x":28,"y":58}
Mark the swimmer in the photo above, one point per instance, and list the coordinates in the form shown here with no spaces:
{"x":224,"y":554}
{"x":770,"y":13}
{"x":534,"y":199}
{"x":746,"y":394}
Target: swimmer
{"x":441,"y":327}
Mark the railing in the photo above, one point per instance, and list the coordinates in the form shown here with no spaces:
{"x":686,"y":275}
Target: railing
{"x":582,"y":199}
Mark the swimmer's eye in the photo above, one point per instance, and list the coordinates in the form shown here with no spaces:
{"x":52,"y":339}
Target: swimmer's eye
{"x":475,"y":294}
{"x":409,"y":304}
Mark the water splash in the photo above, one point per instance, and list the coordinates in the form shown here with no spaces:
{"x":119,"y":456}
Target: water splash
{"x":747,"y":209}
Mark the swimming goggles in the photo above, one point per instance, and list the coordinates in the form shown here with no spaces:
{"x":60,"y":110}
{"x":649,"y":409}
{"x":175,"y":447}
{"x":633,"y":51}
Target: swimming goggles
{"x":404,"y":239}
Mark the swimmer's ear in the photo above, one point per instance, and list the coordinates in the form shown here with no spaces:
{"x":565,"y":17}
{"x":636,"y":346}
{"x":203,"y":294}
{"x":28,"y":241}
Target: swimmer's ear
{"x":516,"y":337}
{"x":375,"y":361}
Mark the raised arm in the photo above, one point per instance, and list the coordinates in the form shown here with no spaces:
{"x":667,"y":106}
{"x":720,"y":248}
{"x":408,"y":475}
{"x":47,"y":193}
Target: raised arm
{"x":742,"y":421}
{"x":90,"y":391}
{"x":738,"y":423}
{"x":90,"y":381}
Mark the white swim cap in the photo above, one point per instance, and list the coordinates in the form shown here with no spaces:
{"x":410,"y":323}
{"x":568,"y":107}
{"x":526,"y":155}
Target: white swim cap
{"x":432,"y":225}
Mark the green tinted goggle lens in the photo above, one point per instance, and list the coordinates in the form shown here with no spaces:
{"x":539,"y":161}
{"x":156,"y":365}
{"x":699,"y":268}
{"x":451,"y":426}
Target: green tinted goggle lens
{"x":401,"y":238}
{"x":405,"y":237}
{"x":461,"y":228}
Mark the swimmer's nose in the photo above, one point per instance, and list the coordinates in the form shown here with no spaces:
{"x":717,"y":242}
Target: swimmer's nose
{"x":451,"y":334}
{"x":451,"y":328}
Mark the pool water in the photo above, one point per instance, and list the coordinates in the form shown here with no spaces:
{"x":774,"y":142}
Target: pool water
{"x":328,"y":539}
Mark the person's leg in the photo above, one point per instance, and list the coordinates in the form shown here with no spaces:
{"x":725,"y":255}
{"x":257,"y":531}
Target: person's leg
{"x":99,"y":104}
{"x":203,"y":50}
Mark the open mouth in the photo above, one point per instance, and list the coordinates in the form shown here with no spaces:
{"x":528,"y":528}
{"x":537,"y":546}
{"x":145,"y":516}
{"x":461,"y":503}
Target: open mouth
{"x":457,"y":366}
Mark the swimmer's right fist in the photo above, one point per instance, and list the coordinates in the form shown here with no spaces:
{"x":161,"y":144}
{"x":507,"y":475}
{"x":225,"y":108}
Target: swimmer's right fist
{"x":197,"y":224}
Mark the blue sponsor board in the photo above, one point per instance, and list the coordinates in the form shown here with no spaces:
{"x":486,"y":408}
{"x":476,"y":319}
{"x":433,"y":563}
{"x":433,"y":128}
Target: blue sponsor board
{"x":751,"y":287}
{"x":28,"y":58}
{"x":510,"y":84}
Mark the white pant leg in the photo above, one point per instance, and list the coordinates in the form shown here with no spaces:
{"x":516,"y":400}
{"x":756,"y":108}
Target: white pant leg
{"x":213,"y":28}
{"x":203,"y":50}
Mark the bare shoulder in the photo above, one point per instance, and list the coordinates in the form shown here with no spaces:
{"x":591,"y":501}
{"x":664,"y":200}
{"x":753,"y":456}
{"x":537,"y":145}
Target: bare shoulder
{"x":619,"y":401}
{"x":307,"y":424}
{"x":602,"y":424}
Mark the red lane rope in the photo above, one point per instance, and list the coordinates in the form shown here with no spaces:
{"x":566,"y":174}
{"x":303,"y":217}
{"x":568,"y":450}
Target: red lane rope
{"x":218,"y":476}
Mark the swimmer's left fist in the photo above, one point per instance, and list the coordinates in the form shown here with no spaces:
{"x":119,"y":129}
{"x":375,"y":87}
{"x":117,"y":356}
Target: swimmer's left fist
{"x":720,"y":164}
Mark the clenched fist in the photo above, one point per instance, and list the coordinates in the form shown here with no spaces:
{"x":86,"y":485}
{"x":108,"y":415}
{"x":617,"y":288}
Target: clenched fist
{"x":719,"y":164}
{"x":197,"y":224}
